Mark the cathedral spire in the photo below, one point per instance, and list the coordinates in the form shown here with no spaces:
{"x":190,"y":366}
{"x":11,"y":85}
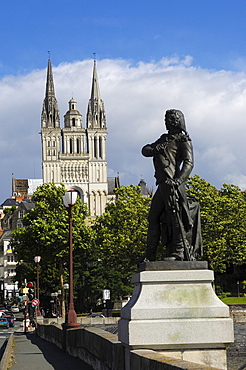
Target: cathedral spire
{"x":50,"y":90}
{"x":96,"y":112}
{"x":95,"y":93}
{"x":50,"y":112}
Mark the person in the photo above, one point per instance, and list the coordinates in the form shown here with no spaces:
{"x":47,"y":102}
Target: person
{"x":173,"y":162}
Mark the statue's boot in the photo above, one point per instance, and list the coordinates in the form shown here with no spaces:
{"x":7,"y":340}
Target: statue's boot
{"x":153,"y":238}
{"x":177,"y":247}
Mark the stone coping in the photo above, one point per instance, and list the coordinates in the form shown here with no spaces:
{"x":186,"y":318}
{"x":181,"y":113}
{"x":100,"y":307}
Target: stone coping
{"x":172,"y":265}
{"x":173,"y":276}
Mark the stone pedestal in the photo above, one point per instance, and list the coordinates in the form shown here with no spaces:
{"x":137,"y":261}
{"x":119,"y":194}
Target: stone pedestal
{"x":175,"y":310}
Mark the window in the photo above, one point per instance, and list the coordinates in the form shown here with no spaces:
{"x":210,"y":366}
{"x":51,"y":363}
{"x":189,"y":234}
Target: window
{"x":100,"y":147}
{"x":10,"y":259}
{"x":19,"y":224}
{"x":11,"y":272}
{"x":78,"y":146}
{"x":73,"y":121}
{"x":95,"y":147}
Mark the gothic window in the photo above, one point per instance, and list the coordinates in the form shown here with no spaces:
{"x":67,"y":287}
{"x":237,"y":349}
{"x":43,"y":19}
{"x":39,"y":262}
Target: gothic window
{"x":100,"y":147}
{"x":95,"y":147}
{"x":78,"y":146}
{"x":54,"y":143}
{"x":73,"y":121}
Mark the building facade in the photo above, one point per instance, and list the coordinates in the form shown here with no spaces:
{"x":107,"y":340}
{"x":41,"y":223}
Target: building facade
{"x":13,"y":211}
{"x":75,"y":155}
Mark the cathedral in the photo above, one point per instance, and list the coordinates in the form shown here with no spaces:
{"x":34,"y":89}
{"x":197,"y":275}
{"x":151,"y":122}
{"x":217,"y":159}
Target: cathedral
{"x":75,"y":155}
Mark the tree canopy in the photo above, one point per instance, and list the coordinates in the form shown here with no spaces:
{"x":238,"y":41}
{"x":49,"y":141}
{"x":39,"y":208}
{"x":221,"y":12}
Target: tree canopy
{"x":121,"y":237}
{"x":106,"y":248}
{"x":223,"y":220}
{"x":45,"y":233}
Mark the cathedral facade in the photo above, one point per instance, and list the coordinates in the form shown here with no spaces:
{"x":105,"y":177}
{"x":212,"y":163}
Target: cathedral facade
{"x":75,"y":155}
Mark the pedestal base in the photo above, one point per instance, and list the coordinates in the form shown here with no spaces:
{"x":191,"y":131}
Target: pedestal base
{"x":176,"y":311}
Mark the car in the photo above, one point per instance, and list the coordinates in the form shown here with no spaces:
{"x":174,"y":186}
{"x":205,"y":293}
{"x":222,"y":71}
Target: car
{"x":10,"y":317}
{"x":10,"y":313}
{"x":4,"y":322}
{"x":96,"y":315}
{"x":2,"y":312}
{"x":15,"y":309}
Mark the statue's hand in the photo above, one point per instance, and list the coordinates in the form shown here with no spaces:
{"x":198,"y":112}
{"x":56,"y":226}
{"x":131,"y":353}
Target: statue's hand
{"x":159,"y":148}
{"x":173,"y":182}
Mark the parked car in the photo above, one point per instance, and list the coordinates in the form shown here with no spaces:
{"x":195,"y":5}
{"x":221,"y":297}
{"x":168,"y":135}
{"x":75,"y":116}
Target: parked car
{"x":10,"y":317}
{"x":15,"y":309}
{"x":10,"y":313}
{"x":4,"y":322}
{"x":2,"y":313}
{"x":95,"y":315}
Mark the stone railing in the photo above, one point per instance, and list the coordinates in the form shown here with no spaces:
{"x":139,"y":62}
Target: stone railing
{"x":103,"y":351}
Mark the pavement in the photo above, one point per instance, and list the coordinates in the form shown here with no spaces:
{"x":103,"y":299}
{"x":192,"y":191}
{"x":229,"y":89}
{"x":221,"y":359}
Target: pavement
{"x":32,"y":352}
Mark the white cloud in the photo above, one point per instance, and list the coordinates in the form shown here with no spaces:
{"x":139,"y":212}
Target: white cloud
{"x":135,"y":97}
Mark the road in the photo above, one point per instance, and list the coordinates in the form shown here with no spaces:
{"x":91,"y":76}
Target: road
{"x":5,"y":333}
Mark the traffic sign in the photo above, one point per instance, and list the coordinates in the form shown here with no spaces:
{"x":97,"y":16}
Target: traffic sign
{"x":35,"y":302}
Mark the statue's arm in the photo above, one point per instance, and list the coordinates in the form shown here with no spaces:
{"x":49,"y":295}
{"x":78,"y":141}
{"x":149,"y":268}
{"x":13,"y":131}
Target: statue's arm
{"x":187,"y":162}
{"x":149,"y":150}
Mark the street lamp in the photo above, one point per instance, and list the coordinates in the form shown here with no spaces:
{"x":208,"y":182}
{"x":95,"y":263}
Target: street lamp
{"x":106,"y":298}
{"x":69,"y":200}
{"x":60,"y":302}
{"x":37,"y":260}
{"x":66,"y":287}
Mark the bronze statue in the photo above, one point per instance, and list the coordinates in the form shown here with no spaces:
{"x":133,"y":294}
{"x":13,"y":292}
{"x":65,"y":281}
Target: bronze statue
{"x":173,"y":217}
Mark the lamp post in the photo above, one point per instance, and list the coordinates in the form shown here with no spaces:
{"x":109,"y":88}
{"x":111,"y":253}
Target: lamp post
{"x":56,"y":310}
{"x":106,"y":298}
{"x":60,"y":302}
{"x":37,"y":260}
{"x":66,"y":287}
{"x":52,"y":301}
{"x":69,"y":200}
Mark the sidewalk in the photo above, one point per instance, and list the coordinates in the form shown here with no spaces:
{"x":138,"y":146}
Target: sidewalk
{"x":31,"y":352}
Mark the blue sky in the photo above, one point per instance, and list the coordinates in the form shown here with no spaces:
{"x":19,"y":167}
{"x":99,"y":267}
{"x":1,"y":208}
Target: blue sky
{"x":212,"y":31}
{"x":151,"y":56}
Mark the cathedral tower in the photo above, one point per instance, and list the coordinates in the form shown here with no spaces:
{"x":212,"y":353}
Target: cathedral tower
{"x":81,"y":163}
{"x":50,"y":132}
{"x":96,"y":140}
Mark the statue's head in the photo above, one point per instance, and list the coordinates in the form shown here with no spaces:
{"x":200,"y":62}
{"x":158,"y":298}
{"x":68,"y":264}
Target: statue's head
{"x":174,"y":120}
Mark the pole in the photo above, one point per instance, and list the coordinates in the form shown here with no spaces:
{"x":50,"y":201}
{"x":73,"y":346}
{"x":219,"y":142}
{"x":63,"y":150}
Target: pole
{"x":71,"y":318}
{"x":238,"y":292}
{"x":38,"y":307}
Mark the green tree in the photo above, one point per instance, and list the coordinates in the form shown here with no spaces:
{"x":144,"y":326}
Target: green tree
{"x":45,"y":233}
{"x":223,"y":220}
{"x":120,"y":239}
